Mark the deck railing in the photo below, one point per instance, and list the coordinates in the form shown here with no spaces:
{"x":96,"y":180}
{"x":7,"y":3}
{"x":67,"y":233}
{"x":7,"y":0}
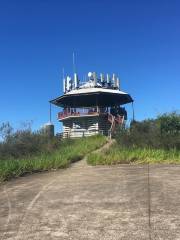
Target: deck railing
{"x":90,"y":112}
{"x":80,"y":112}
{"x":62,"y":115}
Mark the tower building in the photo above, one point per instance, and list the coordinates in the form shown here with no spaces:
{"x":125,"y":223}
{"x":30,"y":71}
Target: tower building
{"x":91,"y":107}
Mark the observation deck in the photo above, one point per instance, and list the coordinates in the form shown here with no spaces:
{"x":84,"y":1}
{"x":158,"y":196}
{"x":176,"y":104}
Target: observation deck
{"x":73,"y":114}
{"x":93,"y":106}
{"x":91,"y":112}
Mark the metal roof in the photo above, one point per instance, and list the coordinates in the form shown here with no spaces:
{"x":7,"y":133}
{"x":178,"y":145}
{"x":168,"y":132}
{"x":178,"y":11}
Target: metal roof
{"x":94,"y":90}
{"x":86,"y":97}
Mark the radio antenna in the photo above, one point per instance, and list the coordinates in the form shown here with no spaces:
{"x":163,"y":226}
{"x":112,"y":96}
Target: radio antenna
{"x":64,"y":80}
{"x":50,"y":112}
{"x":74,"y":65}
{"x":63,"y":73}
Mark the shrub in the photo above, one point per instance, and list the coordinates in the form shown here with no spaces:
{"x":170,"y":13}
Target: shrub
{"x":24,"y":143}
{"x":162,"y":132}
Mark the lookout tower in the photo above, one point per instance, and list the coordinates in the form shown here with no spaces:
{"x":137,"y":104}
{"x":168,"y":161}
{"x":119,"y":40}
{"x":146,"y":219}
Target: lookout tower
{"x":91,"y":107}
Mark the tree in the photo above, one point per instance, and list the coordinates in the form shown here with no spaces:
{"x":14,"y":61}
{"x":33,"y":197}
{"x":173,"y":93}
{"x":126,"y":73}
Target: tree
{"x":169,"y":123}
{"x":5,"y":130}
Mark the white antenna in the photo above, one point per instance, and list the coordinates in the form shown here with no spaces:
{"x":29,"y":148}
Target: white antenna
{"x":76,"y":81}
{"x":64,"y":81}
{"x":108,"y":78}
{"x":94,"y":78}
{"x":118,"y":83}
{"x":114,"y":82}
{"x":68,"y":83}
{"x":102,"y":77}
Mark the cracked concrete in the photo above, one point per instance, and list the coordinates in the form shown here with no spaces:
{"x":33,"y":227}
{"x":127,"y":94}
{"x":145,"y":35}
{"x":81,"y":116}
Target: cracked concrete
{"x":84,"y":202}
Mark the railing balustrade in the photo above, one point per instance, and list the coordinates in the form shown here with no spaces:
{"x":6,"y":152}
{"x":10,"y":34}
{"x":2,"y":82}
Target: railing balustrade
{"x":80,"y":112}
{"x":76,"y":112}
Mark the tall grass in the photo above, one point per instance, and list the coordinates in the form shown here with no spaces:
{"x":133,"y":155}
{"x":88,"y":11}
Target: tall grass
{"x":149,"y":141}
{"x":69,"y":151}
{"x":119,"y":155}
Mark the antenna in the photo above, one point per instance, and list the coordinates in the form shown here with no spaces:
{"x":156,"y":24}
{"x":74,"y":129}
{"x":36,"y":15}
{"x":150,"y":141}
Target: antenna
{"x":64,"y":81}
{"x":108,"y":78}
{"x":114,"y":82}
{"x":50,"y":112}
{"x":133,"y":111}
{"x":74,"y":66}
{"x":63,"y":73}
{"x":118,"y":83}
{"x":102,"y":77}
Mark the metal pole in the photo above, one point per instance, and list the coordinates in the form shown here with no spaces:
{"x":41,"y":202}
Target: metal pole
{"x":74,"y":65}
{"x":50,"y":112}
{"x":133,"y":111}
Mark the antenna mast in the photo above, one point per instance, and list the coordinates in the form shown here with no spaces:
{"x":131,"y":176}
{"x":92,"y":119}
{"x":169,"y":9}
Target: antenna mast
{"x":64,"y":81}
{"x":63,"y":73}
{"x":74,"y":65}
{"x":50,"y":111}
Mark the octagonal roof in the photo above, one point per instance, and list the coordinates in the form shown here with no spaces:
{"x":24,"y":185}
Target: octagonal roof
{"x":88,"y":97}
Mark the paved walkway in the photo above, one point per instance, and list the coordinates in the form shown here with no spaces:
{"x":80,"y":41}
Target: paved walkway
{"x":84,"y":202}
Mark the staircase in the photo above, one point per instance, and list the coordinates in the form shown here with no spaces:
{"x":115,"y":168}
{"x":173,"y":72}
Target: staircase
{"x":115,"y":121}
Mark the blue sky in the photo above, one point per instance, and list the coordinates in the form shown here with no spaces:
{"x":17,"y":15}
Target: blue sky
{"x":139,"y":40}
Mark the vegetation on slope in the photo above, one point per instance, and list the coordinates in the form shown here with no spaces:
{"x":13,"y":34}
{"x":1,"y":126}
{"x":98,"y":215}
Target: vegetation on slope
{"x":150,"y":141}
{"x":26,"y":152}
{"x":119,"y":155}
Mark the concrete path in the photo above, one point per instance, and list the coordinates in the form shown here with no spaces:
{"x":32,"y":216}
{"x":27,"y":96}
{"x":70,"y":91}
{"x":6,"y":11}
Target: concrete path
{"x":84,"y":202}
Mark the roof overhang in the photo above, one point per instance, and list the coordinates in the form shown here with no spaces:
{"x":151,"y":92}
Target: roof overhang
{"x":92,"y":97}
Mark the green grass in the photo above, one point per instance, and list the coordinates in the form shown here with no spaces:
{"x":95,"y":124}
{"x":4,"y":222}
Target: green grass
{"x":119,"y":155}
{"x":69,"y":151}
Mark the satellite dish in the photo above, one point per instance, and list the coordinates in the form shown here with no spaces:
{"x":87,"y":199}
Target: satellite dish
{"x":89,"y":74}
{"x":68,"y":78}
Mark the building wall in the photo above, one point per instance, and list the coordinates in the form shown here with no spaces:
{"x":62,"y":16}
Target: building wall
{"x":85,"y":126}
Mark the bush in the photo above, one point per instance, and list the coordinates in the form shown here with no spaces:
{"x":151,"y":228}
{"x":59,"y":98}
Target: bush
{"x":149,"y":141}
{"x":162,"y":132}
{"x":169,"y":125}
{"x":24,"y":143}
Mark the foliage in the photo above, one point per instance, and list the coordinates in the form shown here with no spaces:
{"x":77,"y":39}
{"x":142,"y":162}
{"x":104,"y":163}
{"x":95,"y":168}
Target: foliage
{"x":149,"y":141}
{"x":5,"y":130}
{"x":24,"y":142}
{"x":162,"y":132}
{"x":169,"y":123}
{"x":119,"y":155}
{"x":64,"y":153}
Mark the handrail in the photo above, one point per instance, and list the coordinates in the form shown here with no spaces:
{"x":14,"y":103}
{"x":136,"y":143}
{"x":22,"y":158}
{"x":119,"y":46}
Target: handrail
{"x":112,"y":123}
{"x":62,"y":115}
{"x":113,"y":120}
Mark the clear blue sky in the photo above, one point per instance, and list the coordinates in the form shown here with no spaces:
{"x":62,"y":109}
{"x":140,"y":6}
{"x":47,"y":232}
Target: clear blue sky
{"x":139,"y":40}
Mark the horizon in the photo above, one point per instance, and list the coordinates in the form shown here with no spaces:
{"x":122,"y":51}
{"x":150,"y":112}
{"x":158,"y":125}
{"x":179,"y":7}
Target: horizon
{"x":138,"y":41}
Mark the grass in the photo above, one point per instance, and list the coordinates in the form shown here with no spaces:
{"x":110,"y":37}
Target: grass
{"x":119,"y":155}
{"x":69,"y":151}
